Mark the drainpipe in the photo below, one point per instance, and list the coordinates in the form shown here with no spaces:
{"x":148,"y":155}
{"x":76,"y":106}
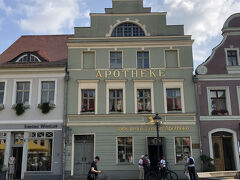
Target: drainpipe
{"x":195,"y":81}
{"x":64,"y":129}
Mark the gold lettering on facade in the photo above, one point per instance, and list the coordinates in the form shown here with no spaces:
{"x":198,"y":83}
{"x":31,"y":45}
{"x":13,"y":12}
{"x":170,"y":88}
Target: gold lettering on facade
{"x":116,"y":74}
{"x":152,"y":73}
{"x":125,"y":73}
{"x":99,"y":74}
{"x":150,"y":129}
{"x":161,"y":73}
{"x":107,"y":73}
{"x":143,"y":74}
{"x":134,"y":72}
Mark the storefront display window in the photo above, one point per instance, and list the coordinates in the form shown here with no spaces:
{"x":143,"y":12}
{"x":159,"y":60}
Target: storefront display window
{"x":144,"y":100}
{"x":115,"y":100}
{"x":174,"y":100}
{"x":182,"y":148}
{"x":88,"y":100}
{"x":125,"y":150}
{"x":40,"y":151}
{"x":2,"y":146}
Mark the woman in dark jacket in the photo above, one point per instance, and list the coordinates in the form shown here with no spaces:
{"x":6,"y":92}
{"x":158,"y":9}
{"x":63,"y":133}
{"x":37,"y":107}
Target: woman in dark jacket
{"x":93,"y":172}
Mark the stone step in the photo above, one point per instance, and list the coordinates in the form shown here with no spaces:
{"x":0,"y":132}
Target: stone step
{"x":219,"y":175}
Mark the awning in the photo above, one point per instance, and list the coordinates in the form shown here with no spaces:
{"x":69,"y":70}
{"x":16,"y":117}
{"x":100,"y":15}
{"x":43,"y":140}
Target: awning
{"x":35,"y":147}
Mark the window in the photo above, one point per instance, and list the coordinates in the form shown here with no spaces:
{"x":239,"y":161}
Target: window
{"x":115,"y":100}
{"x":88,"y":100}
{"x":23,"y":90}
{"x":125,"y":150}
{"x":28,"y":58}
{"x":144,"y":100}
{"x":115,"y":60}
{"x":218,"y":102}
{"x":232,"y":58}
{"x":2,"y":88}
{"x":88,"y":60}
{"x":3,"y":137}
{"x":182,"y":148}
{"x":171,"y":58}
{"x":39,"y":151}
{"x":127,"y":30}
{"x":47,"y":91}
{"x":174,"y":99}
{"x":142,"y":60}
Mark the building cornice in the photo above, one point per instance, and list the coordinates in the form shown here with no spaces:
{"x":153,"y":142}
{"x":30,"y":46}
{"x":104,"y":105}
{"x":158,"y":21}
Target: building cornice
{"x":219,"y":77}
{"x":130,"y":14}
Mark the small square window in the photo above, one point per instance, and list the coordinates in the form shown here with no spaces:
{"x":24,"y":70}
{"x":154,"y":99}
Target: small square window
{"x":115,"y":60}
{"x":142,"y":60}
{"x":232,"y":58}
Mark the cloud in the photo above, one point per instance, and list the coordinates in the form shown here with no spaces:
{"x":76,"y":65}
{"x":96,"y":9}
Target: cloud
{"x":203,"y":19}
{"x":5,"y":8}
{"x":52,"y":16}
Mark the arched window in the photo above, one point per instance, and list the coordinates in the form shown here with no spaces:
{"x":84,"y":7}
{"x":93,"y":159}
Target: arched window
{"x":127,"y":30}
{"x":28,"y":58}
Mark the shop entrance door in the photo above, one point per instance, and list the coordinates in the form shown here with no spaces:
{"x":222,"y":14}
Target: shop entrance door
{"x":83,"y":154}
{"x":17,"y":153}
{"x":223,"y":155}
{"x":152,"y":150}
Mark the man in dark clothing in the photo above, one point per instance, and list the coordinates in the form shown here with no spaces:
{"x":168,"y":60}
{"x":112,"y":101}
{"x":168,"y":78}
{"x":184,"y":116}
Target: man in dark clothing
{"x":93,"y":172}
{"x":191,"y":167}
{"x":146,"y":166}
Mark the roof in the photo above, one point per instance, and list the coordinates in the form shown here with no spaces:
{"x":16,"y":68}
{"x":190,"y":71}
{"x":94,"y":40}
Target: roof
{"x":52,"y":48}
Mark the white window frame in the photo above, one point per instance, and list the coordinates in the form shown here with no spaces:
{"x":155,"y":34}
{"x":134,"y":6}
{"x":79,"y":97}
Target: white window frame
{"x":119,"y":84}
{"x":141,"y":84}
{"x":173,"y":83}
{"x":40,"y":90}
{"x":87,"y":84}
{"x":226,"y":55}
{"x":175,"y":146}
{"x":178,"y":57}
{"x":149,"y":55}
{"x":5,"y":91}
{"x":227,"y":96}
{"x":15,"y":90}
{"x":238,"y":94}
{"x":109,"y":58}
{"x":117,"y":150}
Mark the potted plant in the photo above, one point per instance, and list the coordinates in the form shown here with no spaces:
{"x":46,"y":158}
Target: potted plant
{"x":46,"y":107}
{"x":1,"y":107}
{"x":20,"y":108}
{"x":3,"y":172}
{"x":207,"y":163}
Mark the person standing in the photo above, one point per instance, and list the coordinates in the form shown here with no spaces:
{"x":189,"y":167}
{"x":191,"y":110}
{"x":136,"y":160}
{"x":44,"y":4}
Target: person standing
{"x":93,"y":172}
{"x":141,"y":170}
{"x":146,"y":166}
{"x":163,"y":168}
{"x":191,"y":167}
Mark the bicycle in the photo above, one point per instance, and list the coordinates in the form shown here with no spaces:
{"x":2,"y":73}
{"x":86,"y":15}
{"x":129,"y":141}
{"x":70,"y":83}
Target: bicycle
{"x":170,"y":175}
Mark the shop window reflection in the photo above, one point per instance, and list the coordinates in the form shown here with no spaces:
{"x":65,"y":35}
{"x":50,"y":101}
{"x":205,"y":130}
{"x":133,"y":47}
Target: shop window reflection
{"x":125,"y":154}
{"x":2,"y":147}
{"x":182,"y":148}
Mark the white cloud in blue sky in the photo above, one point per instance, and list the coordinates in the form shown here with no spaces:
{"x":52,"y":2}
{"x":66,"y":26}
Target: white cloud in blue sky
{"x":202,"y":18}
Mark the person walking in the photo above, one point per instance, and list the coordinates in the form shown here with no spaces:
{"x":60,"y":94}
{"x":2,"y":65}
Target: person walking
{"x":163,"y":168}
{"x":141,"y":169}
{"x":186,"y":168}
{"x":146,"y":166}
{"x":93,"y":172}
{"x":191,"y":167}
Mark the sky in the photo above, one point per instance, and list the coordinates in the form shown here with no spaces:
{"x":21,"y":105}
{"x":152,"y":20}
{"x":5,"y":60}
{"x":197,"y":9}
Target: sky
{"x":203,"y":19}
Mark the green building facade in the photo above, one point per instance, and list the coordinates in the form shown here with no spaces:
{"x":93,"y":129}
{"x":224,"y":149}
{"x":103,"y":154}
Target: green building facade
{"x":123,"y":69}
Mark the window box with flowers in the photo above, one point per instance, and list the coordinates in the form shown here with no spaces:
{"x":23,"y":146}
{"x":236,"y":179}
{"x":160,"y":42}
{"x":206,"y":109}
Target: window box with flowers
{"x":46,"y":107}
{"x":20,"y":108}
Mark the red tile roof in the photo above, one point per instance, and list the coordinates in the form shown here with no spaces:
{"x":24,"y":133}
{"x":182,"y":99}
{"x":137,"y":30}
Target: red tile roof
{"x":52,"y":48}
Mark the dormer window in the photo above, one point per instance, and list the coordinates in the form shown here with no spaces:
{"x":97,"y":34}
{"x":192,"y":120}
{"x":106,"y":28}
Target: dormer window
{"x":127,"y":30}
{"x":28,"y":58}
{"x":232,"y":58}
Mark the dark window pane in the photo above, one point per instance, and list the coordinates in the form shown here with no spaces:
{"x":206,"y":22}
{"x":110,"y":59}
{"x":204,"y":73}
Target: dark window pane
{"x":2,"y":85}
{"x":1,"y":97}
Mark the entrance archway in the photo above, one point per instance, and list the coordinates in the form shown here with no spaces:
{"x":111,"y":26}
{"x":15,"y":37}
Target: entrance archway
{"x":223,"y":149}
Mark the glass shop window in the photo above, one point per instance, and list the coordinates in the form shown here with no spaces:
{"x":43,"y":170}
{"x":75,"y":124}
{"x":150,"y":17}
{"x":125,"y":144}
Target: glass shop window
{"x":2,"y":88}
{"x":144,"y":100}
{"x":182,"y":148}
{"x":174,"y":100}
{"x":125,"y":150}
{"x":218,"y":102}
{"x":40,"y":151}
{"x":88,"y":100}
{"x":116,"y":100}
{"x":232,"y":58}
{"x":22,"y":95}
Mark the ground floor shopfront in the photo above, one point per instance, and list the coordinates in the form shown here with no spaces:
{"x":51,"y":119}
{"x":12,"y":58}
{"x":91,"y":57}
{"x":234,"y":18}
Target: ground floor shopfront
{"x":37,"y":149}
{"x":120,"y":141}
{"x":220,"y":141}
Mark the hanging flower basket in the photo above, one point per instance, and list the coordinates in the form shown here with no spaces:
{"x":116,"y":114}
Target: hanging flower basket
{"x":20,"y":108}
{"x":46,"y":107}
{"x":1,"y":107}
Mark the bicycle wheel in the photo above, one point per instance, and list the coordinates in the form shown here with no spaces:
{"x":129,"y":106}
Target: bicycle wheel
{"x":171,"y":175}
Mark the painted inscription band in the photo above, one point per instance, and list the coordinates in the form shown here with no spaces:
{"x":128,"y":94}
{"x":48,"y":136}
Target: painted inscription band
{"x":148,"y":73}
{"x":146,"y":129}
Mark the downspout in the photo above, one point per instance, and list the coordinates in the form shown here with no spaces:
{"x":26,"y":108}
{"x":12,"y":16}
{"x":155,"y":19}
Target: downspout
{"x":195,"y":81}
{"x":66,"y":78}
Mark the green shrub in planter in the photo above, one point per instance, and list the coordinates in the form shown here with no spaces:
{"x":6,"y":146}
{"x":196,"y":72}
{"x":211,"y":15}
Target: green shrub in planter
{"x":46,"y":107}
{"x":207,"y":163}
{"x":20,"y":108}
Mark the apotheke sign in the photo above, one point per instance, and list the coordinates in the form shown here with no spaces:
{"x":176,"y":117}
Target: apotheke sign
{"x":40,"y":126}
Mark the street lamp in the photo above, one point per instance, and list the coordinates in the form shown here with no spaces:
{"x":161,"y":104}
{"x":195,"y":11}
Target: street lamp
{"x":158,"y":122}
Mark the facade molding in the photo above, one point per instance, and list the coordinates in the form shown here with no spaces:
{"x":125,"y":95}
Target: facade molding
{"x":219,"y":118}
{"x":130,"y":14}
